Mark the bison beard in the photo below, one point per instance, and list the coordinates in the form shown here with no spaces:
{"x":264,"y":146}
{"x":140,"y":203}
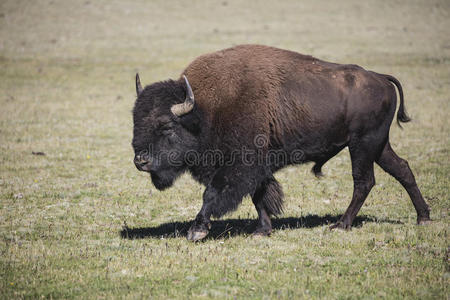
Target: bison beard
{"x":297,"y":103}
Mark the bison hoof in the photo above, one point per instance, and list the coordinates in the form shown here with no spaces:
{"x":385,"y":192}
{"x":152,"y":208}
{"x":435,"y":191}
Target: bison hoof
{"x":341,"y":225}
{"x":262,"y":232}
{"x":423,"y":221}
{"x":196,"y":235}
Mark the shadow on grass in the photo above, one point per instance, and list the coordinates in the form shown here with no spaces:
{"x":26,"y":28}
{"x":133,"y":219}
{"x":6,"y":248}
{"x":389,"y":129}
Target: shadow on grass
{"x":232,"y":227}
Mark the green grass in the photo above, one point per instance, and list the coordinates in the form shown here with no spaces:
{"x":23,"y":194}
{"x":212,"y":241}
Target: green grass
{"x":67,"y":89}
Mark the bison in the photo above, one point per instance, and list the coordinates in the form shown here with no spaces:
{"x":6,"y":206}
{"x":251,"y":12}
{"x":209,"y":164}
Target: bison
{"x":238,"y":115}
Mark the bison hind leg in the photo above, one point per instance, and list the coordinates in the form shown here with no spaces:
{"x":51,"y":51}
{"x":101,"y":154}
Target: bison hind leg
{"x":400,"y":170}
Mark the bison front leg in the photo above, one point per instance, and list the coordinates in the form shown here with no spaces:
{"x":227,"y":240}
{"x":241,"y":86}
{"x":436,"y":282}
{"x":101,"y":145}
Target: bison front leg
{"x":222,"y":195}
{"x":201,"y":226}
{"x":268,"y":200}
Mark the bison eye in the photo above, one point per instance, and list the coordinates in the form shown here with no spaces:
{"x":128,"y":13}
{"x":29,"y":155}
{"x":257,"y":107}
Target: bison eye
{"x":167,"y":132}
{"x":172,"y":138}
{"x":165,"y":129}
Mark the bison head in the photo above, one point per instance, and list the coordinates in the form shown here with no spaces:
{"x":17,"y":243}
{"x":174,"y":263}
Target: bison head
{"x":165,"y":129}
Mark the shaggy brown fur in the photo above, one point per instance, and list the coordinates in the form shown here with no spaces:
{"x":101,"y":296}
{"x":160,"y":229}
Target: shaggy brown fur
{"x":266,"y":99}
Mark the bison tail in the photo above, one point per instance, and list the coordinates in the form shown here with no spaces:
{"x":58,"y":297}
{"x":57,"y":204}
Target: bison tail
{"x":402,"y":116}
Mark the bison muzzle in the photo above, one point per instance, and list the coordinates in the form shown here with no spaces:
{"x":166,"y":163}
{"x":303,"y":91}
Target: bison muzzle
{"x":238,"y":115}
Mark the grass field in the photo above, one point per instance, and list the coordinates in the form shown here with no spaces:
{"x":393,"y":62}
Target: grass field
{"x":82,"y":222}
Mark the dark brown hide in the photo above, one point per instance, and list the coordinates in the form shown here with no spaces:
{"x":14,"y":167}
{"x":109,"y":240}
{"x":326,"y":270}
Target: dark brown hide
{"x":295,"y":104}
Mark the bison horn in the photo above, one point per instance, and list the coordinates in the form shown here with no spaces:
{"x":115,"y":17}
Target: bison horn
{"x":188,"y":104}
{"x":138,"y":85}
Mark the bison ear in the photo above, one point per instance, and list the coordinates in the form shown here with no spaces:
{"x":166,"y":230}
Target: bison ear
{"x":191,"y":122}
{"x":138,"y":85}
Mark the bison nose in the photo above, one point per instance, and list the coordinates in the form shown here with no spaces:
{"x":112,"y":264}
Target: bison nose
{"x":142,"y":162}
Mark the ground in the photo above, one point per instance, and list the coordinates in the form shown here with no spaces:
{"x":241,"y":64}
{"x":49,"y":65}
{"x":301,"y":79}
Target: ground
{"x":81,"y":222}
